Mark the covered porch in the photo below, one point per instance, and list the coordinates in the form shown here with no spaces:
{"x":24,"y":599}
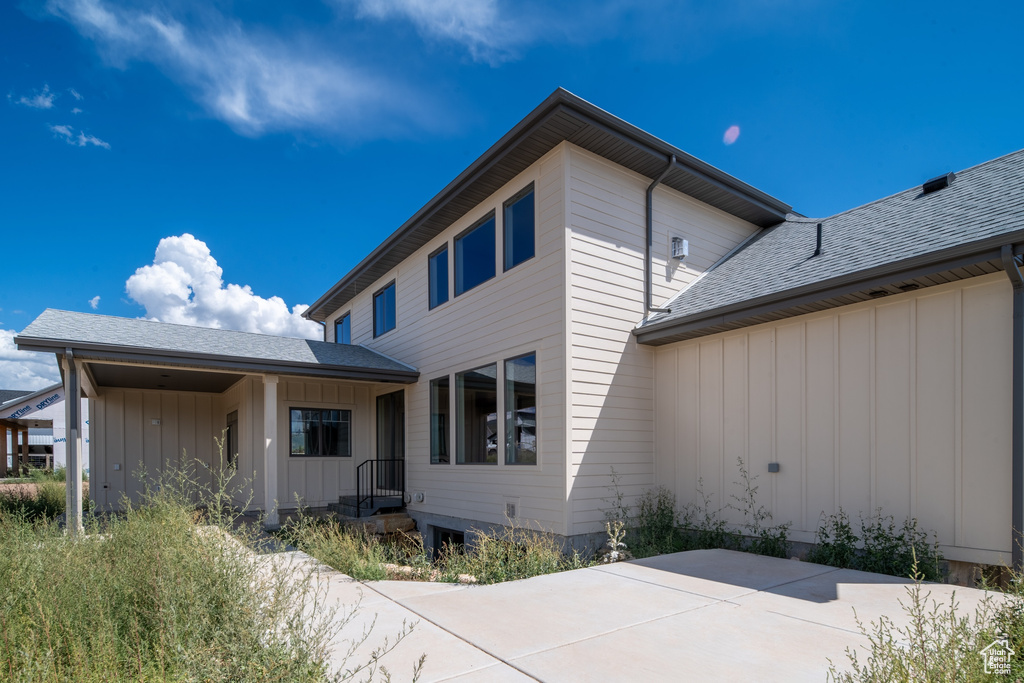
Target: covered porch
{"x":294,"y":418}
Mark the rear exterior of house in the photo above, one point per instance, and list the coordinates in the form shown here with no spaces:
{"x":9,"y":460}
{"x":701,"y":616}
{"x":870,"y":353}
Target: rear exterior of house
{"x":528,"y":337}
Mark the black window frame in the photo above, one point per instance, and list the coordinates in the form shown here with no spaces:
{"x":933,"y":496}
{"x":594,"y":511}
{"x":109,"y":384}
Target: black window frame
{"x":490,"y":217}
{"x":529,"y":189}
{"x":430,"y":277}
{"x":320,"y":439}
{"x":341,"y":321}
{"x":440,"y":429}
{"x":380,"y":292}
{"x":511,"y":459}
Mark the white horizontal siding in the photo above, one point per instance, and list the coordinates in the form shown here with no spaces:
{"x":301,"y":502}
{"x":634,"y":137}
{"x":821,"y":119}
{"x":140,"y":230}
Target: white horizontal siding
{"x":612,"y":377}
{"x":517,"y":311}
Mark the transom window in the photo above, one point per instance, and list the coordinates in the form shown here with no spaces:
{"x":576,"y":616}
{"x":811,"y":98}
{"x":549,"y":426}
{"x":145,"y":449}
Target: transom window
{"x":343,"y":329}
{"x":518,"y":228}
{"x":320,"y":432}
{"x":474,"y":256}
{"x":438,"y":267}
{"x":384,"y":310}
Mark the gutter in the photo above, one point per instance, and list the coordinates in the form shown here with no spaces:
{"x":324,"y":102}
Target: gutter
{"x":1010,"y":265}
{"x":926,"y":264}
{"x":649,"y":239}
{"x":101,"y":352}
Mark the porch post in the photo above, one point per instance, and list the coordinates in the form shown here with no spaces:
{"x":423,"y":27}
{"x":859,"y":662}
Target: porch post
{"x":24,"y":449}
{"x":15,"y":452}
{"x":3,"y":451}
{"x":72,"y":430}
{"x":271,"y":520}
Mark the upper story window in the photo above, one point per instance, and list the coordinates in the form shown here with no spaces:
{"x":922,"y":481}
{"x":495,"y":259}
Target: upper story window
{"x":518,"y":228}
{"x":343,"y":329}
{"x":474,"y":256}
{"x":384,"y":310}
{"x":438,"y":267}
{"x":318,"y":432}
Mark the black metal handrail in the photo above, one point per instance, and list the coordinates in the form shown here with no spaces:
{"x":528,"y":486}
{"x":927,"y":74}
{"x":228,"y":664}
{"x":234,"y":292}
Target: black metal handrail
{"x":379,"y":479}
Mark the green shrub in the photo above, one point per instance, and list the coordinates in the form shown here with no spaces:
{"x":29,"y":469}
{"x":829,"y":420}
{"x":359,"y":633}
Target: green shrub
{"x":937,"y":644}
{"x":350,"y":549}
{"x":835,"y":542}
{"x":763,"y":537}
{"x":655,"y":529}
{"x":703,"y":527}
{"x":898,"y":552}
{"x":43,"y":500}
{"x":167,"y":590}
{"x":506,"y":553}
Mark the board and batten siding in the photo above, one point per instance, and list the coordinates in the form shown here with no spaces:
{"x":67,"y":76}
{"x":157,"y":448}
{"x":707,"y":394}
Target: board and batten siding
{"x":611,"y":376}
{"x":123,"y":433}
{"x":902,"y":404}
{"x":515,"y":312}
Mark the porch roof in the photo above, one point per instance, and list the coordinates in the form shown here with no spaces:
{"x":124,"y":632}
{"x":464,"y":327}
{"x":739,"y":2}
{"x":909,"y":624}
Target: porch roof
{"x":103,"y":339}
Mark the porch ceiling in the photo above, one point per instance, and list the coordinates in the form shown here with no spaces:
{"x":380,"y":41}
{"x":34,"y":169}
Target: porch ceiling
{"x":170,"y":379}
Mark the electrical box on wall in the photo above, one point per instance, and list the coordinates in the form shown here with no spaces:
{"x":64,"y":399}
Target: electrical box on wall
{"x":680,"y":248}
{"x":511,"y":508}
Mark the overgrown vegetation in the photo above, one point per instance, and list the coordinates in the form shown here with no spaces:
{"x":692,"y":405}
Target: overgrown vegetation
{"x":168,"y":590}
{"x":881,"y":547}
{"x":939,"y":642}
{"x":44,"y":500}
{"x":762,"y":537}
{"x":501,"y":554}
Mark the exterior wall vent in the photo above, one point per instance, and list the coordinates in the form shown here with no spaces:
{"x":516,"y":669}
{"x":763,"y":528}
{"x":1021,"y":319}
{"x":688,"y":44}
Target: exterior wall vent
{"x":936,"y":184}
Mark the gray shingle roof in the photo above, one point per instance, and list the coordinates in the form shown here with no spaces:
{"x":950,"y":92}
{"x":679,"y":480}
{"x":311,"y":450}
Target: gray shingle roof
{"x":92,"y":334}
{"x":11,"y":394}
{"x":983,"y":207}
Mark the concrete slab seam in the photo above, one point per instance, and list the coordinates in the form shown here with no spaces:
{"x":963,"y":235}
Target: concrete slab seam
{"x":455,"y":635}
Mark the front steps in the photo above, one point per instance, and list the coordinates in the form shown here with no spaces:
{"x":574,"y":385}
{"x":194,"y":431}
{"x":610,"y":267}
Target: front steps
{"x":347,"y":506}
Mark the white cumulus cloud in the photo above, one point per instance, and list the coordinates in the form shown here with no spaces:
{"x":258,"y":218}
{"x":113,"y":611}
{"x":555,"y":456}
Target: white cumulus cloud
{"x":249,"y":78}
{"x":80,"y":140}
{"x":185,"y":285}
{"x":26,"y":370}
{"x":95,"y":302}
{"x":40,"y":100}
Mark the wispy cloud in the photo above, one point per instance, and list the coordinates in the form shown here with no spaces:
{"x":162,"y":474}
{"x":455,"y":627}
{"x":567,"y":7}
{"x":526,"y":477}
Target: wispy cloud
{"x":76,"y":110}
{"x":40,"y":100}
{"x":253,"y":80}
{"x":478,"y":25}
{"x":81,"y":140}
{"x":74,"y":93}
{"x":185,"y":285}
{"x":95,"y":302}
{"x":25,"y":369}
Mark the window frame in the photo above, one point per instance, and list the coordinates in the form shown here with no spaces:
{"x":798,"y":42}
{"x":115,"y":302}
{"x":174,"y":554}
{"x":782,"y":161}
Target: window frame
{"x":508,"y":437}
{"x":461,"y":443}
{"x":341,"y":320}
{"x":376,"y":294}
{"x":320,"y":440}
{"x":529,"y":189}
{"x":491,"y":216}
{"x":430,"y":277}
{"x":443,"y":440}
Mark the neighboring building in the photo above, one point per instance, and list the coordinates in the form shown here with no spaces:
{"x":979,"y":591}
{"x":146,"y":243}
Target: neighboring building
{"x":505,"y":347}
{"x":40,"y":415}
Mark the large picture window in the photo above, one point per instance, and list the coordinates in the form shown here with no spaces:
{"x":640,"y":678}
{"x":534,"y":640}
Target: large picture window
{"x":343,"y":329}
{"x":438,"y":267}
{"x":518,"y":228}
{"x":320,"y":432}
{"x":476,"y":401}
{"x":439,"y":422}
{"x":384,"y":310}
{"x":521,"y":410}
{"x":474,"y":256}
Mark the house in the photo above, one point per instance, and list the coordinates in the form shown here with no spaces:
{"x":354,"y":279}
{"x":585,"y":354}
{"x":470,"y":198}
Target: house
{"x":38,"y":418}
{"x":586,"y":299}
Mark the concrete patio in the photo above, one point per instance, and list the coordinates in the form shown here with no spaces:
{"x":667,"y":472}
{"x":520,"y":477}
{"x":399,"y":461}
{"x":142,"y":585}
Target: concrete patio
{"x":707,"y":614}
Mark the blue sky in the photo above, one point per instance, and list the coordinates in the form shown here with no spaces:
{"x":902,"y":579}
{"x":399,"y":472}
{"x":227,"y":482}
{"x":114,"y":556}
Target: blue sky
{"x":289,"y":139}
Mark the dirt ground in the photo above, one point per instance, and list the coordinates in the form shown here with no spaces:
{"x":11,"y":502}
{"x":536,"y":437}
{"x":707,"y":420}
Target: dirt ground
{"x":29,"y":490}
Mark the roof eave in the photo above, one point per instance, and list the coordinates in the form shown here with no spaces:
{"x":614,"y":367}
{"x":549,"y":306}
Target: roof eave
{"x":114,"y":353}
{"x":657,"y":333}
{"x":560,"y":100}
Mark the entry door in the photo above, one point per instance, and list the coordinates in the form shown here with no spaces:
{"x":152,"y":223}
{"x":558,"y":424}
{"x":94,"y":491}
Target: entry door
{"x":391,"y":439}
